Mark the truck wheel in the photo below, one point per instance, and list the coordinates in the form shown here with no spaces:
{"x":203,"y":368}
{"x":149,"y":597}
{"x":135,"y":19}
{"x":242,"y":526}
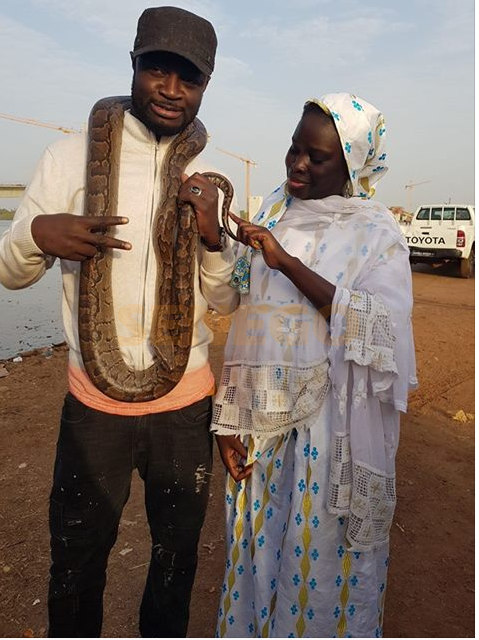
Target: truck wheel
{"x":466,"y":265}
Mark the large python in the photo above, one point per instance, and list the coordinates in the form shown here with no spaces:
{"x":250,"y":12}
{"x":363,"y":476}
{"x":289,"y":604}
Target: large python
{"x":176,"y":237}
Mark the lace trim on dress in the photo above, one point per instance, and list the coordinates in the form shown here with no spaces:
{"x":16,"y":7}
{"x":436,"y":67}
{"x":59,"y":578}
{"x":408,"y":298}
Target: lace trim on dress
{"x":365,"y":495}
{"x":266,"y":400}
{"x":369,"y":339}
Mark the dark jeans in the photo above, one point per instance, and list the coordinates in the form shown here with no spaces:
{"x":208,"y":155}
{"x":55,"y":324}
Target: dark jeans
{"x":96,"y":454}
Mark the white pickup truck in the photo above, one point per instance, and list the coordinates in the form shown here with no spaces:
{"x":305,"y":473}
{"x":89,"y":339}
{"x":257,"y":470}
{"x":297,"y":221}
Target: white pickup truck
{"x":441,"y":233}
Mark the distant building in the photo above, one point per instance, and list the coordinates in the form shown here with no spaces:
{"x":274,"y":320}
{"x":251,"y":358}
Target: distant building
{"x":401,"y":214}
{"x":11,"y":190}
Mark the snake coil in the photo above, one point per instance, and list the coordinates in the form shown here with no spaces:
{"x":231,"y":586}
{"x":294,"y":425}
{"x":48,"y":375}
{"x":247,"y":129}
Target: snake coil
{"x":176,"y":238}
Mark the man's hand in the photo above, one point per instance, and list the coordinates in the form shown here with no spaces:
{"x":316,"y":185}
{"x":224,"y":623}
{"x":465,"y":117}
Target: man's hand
{"x":72,"y":237}
{"x":205,"y":204}
{"x":234,"y":453}
{"x":262,"y":239}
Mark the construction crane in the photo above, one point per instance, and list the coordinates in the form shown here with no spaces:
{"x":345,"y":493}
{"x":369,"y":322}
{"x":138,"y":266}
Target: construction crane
{"x":16,"y":190}
{"x":248,"y":163}
{"x":37,"y":123}
{"x":411,"y":186}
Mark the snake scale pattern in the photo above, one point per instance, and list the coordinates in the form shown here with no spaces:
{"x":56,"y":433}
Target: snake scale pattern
{"x":175,"y":240}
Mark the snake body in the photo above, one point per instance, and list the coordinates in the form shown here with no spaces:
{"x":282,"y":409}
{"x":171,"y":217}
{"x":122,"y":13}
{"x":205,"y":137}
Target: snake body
{"x":175,"y":241}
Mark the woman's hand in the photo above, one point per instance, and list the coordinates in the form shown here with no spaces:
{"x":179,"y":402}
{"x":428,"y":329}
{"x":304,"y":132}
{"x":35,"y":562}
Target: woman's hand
{"x":262,"y":239}
{"x":234,"y":453}
{"x":317,"y":289}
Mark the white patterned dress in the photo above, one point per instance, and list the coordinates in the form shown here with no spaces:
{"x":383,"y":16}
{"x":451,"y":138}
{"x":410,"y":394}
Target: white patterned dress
{"x":288,"y":571}
{"x":307,"y":532}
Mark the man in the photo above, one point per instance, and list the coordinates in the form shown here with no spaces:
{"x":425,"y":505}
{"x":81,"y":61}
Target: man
{"x":102,"y":440}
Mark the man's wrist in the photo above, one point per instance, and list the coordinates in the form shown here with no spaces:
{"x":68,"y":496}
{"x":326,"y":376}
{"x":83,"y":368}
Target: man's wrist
{"x":215,"y":244}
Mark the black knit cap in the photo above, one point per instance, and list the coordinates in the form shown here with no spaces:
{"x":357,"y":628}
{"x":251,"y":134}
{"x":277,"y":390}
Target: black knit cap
{"x":177,"y":31}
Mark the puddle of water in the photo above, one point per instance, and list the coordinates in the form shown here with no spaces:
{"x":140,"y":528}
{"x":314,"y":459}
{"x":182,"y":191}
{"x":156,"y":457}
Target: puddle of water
{"x":30,"y":318}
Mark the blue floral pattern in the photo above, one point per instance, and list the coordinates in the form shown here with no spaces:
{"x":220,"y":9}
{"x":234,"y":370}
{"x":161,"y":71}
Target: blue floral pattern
{"x":280,"y":543}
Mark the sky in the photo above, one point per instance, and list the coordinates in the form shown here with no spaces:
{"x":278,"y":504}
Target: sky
{"x":413,"y":59}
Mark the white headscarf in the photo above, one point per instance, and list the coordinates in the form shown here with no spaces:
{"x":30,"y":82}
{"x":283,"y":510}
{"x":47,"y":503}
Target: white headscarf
{"x":361,"y":129}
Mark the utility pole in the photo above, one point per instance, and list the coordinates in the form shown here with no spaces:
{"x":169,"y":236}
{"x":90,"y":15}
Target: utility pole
{"x":248,"y":163}
{"x":411,"y":186}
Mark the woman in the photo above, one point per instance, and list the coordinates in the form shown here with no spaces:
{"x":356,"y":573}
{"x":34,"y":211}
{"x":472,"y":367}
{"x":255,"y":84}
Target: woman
{"x":318,"y":364}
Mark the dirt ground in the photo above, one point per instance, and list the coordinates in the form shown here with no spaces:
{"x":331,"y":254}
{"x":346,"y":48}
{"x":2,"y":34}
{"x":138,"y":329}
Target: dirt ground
{"x":431,"y":577}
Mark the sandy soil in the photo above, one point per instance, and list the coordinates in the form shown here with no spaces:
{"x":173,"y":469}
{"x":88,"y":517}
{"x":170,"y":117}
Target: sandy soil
{"x":431,"y":579}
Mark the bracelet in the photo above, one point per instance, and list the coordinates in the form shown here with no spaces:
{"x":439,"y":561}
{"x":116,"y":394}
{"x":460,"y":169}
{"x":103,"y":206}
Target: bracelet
{"x":219,"y":246}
